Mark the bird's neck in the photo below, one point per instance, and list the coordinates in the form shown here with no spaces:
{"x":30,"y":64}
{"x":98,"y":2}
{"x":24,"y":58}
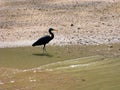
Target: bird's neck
{"x":52,"y":35}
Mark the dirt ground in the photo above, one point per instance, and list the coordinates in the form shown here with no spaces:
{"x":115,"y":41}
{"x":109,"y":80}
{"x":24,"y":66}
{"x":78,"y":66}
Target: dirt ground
{"x":79,"y":22}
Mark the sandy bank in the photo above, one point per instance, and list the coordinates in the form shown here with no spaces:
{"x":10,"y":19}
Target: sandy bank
{"x":94,"y":22}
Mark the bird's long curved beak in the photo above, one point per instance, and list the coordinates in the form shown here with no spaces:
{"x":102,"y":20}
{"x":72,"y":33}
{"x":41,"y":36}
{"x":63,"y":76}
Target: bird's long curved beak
{"x":55,"y":30}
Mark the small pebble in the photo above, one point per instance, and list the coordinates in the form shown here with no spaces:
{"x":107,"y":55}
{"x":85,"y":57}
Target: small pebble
{"x":72,"y":25}
{"x":32,"y":80}
{"x":111,"y":46}
{"x":83,"y":80}
{"x":12,"y":81}
{"x":1,"y":83}
{"x":34,"y":71}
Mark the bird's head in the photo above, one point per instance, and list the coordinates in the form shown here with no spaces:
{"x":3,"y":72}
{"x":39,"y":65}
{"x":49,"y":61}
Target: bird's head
{"x":51,"y":29}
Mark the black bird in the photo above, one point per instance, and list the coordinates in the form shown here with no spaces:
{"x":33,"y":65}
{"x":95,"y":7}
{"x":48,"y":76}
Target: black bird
{"x":45,"y":39}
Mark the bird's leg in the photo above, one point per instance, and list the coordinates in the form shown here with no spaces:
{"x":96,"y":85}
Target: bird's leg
{"x":44,"y":49}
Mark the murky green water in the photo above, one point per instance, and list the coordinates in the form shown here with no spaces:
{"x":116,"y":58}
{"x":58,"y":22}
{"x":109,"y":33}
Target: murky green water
{"x":29,"y":57}
{"x":63,"y":68}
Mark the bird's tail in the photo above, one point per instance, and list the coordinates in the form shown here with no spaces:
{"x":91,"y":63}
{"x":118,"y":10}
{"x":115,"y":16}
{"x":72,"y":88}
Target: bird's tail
{"x":33,"y":44}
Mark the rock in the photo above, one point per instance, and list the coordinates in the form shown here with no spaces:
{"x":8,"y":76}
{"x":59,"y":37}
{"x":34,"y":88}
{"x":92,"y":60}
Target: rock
{"x":71,"y":25}
{"x":110,"y":46}
{"x":83,"y":80}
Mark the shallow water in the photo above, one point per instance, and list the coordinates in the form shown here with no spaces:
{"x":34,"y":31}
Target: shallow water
{"x":63,"y":68}
{"x":29,"y":57}
{"x":89,"y":73}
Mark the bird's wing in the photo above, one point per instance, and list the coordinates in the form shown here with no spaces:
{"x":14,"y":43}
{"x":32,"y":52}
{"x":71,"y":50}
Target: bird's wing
{"x":43,"y":40}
